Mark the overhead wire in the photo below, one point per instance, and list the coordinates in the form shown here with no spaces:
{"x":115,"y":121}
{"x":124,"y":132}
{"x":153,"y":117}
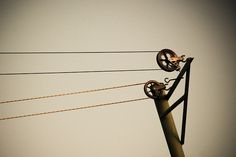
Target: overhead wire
{"x":78,"y":72}
{"x":72,"y":109}
{"x":70,"y":93}
{"x":74,"y":72}
{"x":77,"y":52}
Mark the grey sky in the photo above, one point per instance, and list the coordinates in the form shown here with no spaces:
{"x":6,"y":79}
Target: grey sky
{"x":203,"y":30}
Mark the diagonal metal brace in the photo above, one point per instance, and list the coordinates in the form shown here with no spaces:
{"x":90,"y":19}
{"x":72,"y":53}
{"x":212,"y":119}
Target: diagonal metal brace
{"x":172,"y":107}
{"x":182,"y":72}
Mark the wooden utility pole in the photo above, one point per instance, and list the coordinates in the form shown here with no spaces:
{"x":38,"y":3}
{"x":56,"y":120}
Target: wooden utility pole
{"x":168,"y":126}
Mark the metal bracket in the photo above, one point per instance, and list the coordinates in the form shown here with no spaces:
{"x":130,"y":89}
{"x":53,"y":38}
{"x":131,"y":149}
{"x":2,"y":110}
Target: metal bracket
{"x":184,"y":98}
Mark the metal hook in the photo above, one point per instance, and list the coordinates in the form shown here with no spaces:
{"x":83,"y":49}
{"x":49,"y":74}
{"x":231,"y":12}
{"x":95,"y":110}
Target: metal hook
{"x":167,"y":81}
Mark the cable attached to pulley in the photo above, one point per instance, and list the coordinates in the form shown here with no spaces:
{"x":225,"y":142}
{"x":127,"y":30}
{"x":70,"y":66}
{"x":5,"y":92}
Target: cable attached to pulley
{"x":71,"y":93}
{"x":77,"y":52}
{"x":78,"y":72}
{"x":72,"y":109}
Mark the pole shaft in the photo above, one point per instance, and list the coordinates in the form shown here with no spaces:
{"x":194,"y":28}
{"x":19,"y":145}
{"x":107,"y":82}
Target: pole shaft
{"x":168,"y":127}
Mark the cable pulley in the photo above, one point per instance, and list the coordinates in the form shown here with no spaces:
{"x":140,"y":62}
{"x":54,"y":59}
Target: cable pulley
{"x":151,"y":86}
{"x":168,"y":60}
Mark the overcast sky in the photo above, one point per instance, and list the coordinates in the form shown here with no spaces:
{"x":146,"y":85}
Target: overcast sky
{"x":203,"y":30}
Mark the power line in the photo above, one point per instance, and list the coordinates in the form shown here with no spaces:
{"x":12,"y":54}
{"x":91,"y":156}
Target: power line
{"x":76,"y":72}
{"x":71,"y":93}
{"x":72,"y":109}
{"x":77,"y":52}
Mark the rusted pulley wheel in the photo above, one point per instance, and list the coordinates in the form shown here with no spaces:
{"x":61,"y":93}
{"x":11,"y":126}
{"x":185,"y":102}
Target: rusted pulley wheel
{"x":165,"y":61}
{"x":151,"y":87}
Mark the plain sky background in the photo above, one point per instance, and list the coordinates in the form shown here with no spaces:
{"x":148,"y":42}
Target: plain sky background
{"x":204,"y":30}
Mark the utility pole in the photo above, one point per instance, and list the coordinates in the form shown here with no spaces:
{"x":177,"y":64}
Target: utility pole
{"x":168,"y":125}
{"x":157,"y":91}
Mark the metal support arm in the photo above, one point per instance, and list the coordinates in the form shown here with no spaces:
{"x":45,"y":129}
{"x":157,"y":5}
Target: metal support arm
{"x":184,"y":98}
{"x":182,"y":72}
